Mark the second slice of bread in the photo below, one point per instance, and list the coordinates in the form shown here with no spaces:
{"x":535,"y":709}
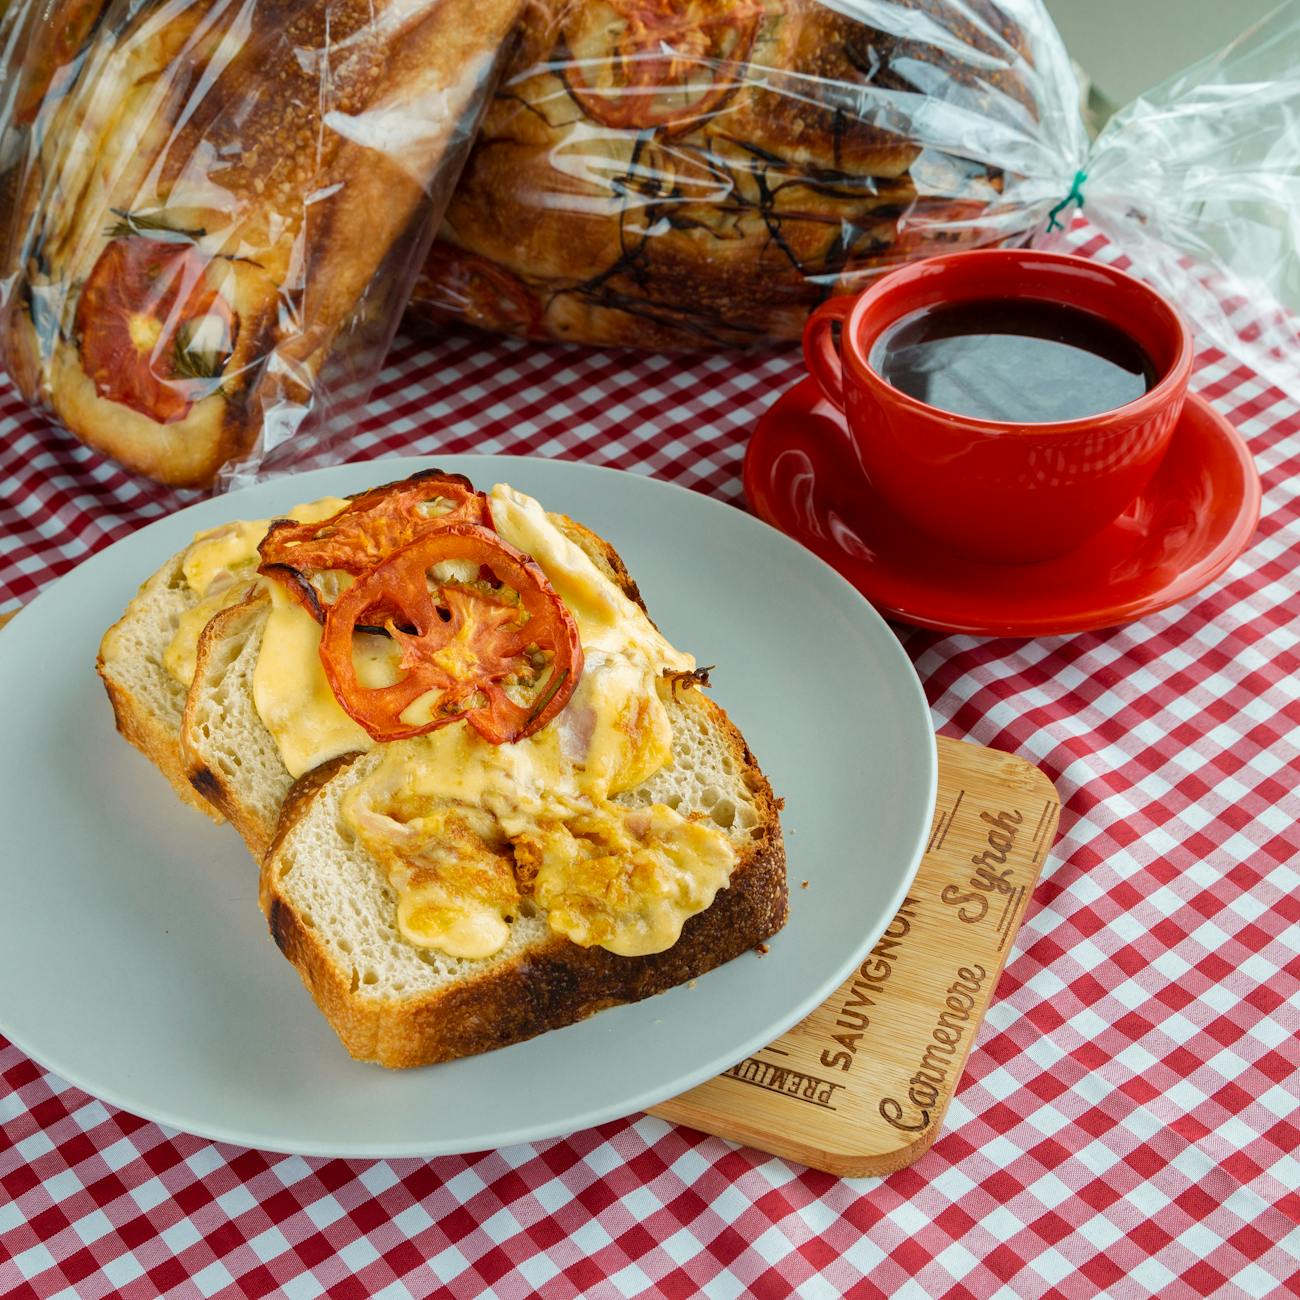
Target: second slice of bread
{"x":227,"y":753}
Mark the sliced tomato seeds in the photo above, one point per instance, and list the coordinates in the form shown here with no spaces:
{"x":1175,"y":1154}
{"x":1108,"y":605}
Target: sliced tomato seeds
{"x":461,"y":644}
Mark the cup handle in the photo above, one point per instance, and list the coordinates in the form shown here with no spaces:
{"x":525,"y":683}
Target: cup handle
{"x":820,"y":354}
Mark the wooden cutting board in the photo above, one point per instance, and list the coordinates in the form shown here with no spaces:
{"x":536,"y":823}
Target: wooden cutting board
{"x":860,"y":1087}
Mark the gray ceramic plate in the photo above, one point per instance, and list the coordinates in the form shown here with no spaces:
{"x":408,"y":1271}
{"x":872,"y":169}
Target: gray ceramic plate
{"x":134,"y":961}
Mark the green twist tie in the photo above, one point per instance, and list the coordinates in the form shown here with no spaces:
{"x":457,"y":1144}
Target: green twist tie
{"x":1075,"y":196}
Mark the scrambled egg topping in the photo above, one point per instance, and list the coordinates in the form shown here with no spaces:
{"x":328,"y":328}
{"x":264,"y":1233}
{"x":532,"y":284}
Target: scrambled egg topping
{"x":466,"y":831}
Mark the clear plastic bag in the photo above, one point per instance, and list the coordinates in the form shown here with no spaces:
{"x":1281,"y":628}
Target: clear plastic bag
{"x":686,"y":173}
{"x":1198,"y":181}
{"x":211,"y":211}
{"x":696,"y":173}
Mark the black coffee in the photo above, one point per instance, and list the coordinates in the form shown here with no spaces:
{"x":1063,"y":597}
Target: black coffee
{"x":1020,"y":361}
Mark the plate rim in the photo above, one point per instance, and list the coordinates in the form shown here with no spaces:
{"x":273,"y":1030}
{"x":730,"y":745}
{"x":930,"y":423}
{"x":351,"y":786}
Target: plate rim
{"x":626,"y":1104}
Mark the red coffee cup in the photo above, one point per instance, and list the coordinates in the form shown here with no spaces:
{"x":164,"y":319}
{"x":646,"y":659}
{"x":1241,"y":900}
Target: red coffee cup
{"x":994,"y":489}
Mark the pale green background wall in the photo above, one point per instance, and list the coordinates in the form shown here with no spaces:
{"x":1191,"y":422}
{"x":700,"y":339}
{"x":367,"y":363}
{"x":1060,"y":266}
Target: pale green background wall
{"x":1126,"y":46}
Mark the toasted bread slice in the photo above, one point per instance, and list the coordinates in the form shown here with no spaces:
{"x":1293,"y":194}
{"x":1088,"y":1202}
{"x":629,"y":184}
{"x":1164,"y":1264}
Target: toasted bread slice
{"x":333,"y":914}
{"x":228,"y":754}
{"x":148,"y":701}
{"x":209,"y":742}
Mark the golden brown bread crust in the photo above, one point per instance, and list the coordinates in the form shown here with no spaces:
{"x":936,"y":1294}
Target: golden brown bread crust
{"x":215,"y":641}
{"x":547,"y":987}
{"x":139,"y":723}
{"x":140,"y":727}
{"x":722,"y":229}
{"x":263,"y":136}
{"x":156,"y":743}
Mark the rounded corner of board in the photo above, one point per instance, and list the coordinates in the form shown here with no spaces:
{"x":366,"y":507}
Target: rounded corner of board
{"x":877,"y":1164}
{"x":1035,"y":777}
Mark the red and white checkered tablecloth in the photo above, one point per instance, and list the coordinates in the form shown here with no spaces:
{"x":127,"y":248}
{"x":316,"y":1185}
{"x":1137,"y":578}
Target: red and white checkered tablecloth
{"x":1129,"y":1120}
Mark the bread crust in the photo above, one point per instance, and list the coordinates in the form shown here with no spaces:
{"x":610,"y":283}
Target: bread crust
{"x":211,"y":783}
{"x":138,"y":724}
{"x":554,"y":984}
{"x":140,"y":728}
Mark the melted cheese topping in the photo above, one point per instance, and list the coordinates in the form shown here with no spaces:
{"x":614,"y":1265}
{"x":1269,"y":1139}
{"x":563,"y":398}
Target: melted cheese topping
{"x":181,"y":656}
{"x":293,"y":697}
{"x":454,"y":877}
{"x":462,"y":828}
{"x":219,"y":565}
{"x":625,"y":879}
{"x":606,"y":618}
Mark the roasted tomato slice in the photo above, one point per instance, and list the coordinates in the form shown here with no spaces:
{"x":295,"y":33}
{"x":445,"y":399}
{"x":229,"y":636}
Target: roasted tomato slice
{"x":639,"y":64}
{"x":368,"y":530}
{"x":462,"y":642}
{"x":154,"y":335}
{"x":467,"y":287}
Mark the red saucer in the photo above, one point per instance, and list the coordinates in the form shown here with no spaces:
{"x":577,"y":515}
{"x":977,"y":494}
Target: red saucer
{"x":1193,"y":520}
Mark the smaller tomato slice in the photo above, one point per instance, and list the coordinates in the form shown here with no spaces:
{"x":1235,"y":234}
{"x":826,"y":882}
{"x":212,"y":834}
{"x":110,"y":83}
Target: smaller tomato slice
{"x":367,"y":531}
{"x":462,"y":643}
{"x":153,"y":334}
{"x":657,"y":64}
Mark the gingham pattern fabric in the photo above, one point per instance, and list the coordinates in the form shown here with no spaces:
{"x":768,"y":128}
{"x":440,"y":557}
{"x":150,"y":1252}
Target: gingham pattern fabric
{"x":1129,"y":1118}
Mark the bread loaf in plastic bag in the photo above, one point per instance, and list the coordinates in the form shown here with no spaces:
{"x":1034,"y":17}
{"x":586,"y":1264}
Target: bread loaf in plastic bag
{"x":682,"y":173}
{"x":211,"y":212}
{"x":702,"y":173}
